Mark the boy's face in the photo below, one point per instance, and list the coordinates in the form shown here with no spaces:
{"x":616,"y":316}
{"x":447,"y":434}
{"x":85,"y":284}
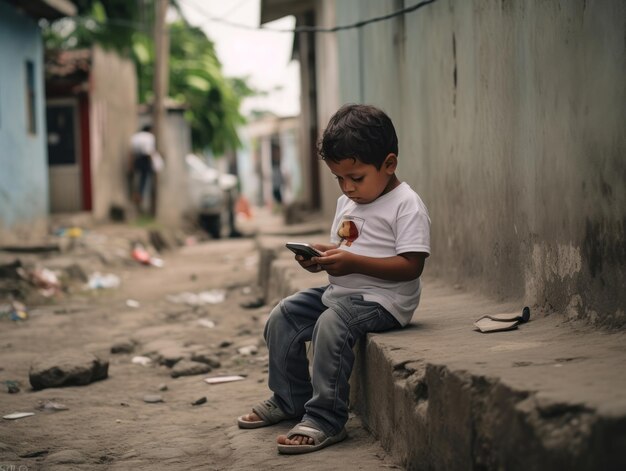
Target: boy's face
{"x":363,"y":183}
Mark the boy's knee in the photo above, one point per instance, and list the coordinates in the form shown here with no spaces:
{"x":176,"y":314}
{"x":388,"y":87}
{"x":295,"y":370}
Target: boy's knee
{"x":275,"y":319}
{"x":330,"y":322}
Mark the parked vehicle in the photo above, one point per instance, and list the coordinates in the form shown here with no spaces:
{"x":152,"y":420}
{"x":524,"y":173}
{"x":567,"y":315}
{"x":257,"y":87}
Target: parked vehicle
{"x":211,"y":196}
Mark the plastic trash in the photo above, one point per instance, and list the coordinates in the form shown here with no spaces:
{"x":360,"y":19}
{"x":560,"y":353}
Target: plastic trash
{"x":141,"y":360}
{"x":133,"y":303}
{"x":140,"y":254}
{"x":52,"y":406}
{"x":17,"y":415}
{"x":156,"y":262}
{"x":99,"y":281}
{"x":214,"y":296}
{"x":15,"y":311}
{"x":223,"y":379}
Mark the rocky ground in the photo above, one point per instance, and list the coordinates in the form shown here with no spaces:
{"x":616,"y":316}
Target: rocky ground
{"x":142,"y":416}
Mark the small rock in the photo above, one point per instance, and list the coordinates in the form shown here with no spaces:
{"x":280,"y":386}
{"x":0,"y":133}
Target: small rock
{"x":124,"y":404}
{"x":13,"y":387}
{"x":208,"y":358}
{"x":162,"y":387}
{"x":152,"y":398}
{"x":123,"y":346}
{"x":199,"y":401}
{"x":226,"y":343}
{"x":34,"y":454}
{"x":188,"y":368}
{"x":170,"y":356}
{"x":206,"y":323}
{"x":67,"y":369}
{"x":66,"y":457}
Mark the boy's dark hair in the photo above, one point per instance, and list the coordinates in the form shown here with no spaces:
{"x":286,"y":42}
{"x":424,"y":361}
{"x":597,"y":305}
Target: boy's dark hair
{"x":146,"y":128}
{"x":361,"y":132}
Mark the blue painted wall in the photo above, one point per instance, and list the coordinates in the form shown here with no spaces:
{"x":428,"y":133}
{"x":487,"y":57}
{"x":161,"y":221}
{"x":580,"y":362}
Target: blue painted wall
{"x":23,"y":155}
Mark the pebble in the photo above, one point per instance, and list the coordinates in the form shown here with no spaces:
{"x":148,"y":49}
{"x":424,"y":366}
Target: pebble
{"x":188,"y":368}
{"x":152,"y":398}
{"x":124,"y":346}
{"x":199,"y":401}
{"x":208,"y":358}
{"x":248,"y":350}
{"x":162,"y":387}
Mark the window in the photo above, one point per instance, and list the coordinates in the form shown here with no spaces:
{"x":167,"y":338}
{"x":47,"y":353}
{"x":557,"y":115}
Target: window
{"x":31,"y":101}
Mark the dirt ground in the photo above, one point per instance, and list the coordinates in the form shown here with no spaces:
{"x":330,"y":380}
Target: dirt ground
{"x":107,"y":424}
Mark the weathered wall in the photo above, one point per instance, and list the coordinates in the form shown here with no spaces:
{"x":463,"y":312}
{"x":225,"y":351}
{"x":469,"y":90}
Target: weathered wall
{"x":172,"y":189}
{"x":23,"y":155}
{"x":511,"y":123}
{"x":113,"y":120}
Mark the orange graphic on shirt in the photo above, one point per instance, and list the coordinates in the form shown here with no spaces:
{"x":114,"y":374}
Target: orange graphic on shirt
{"x":347,"y":232}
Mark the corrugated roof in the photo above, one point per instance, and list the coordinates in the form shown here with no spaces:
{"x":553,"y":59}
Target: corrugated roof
{"x":62,"y":63}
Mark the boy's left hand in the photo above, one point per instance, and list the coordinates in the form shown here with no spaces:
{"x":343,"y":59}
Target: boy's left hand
{"x":336,"y":262}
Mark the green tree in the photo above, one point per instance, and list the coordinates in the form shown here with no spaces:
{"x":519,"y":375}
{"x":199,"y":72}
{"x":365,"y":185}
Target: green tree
{"x":196,"y":78}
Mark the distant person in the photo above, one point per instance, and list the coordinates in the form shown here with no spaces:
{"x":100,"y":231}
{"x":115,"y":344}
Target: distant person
{"x":144,"y":161}
{"x":380,"y":240}
{"x":277,"y":174}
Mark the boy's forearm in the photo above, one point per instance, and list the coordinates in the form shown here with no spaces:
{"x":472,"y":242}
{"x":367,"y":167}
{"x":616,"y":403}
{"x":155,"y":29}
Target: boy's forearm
{"x":403,"y":267}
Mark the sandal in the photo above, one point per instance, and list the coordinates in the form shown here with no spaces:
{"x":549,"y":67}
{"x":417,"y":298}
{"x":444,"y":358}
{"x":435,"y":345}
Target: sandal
{"x":268,"y":412}
{"x":500,"y":322}
{"x":308,"y":429}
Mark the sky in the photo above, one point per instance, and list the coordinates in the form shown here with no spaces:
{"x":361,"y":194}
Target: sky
{"x":262,"y":56}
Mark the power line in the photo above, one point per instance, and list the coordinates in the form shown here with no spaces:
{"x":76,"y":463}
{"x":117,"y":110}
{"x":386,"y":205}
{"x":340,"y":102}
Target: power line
{"x":312,"y":29}
{"x":298,"y":29}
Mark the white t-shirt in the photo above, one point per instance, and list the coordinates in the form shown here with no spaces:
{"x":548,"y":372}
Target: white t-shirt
{"x":143,"y":142}
{"x":395,"y":223}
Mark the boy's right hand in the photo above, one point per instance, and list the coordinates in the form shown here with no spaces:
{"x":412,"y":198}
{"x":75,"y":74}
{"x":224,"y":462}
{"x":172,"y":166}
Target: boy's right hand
{"x":311,"y":266}
{"x":308,"y":264}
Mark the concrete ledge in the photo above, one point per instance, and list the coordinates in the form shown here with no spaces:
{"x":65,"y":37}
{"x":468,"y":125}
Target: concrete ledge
{"x":438,"y":395}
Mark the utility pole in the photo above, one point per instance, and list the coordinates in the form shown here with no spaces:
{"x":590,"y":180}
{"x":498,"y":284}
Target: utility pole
{"x":161,"y":76}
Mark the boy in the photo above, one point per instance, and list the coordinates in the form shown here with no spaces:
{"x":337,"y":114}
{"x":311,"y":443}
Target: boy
{"x":380,"y":240}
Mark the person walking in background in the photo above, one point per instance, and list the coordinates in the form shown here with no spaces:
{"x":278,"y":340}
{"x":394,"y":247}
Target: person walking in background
{"x":143,"y":157}
{"x":380,"y":239}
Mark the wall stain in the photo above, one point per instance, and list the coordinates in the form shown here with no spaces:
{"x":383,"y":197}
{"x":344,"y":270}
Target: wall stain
{"x":603,"y":244}
{"x":454,"y":73}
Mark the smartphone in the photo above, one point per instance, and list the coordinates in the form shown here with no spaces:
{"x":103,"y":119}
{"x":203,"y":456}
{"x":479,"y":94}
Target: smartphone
{"x":306,"y":250}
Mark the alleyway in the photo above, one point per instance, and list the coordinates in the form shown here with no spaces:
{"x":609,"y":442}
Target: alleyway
{"x":108,"y":424}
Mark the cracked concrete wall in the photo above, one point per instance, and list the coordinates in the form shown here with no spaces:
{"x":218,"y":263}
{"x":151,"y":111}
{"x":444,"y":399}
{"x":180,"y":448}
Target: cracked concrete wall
{"x":511,"y":118}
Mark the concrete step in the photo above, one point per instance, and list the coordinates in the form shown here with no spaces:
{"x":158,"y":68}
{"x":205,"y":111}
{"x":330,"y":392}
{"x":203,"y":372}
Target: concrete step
{"x":439,"y":395}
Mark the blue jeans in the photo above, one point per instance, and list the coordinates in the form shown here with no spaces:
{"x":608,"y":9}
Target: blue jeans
{"x":321,"y":397}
